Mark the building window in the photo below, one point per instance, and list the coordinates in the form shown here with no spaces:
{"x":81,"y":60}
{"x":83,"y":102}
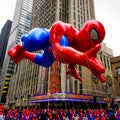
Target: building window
{"x":80,"y":87}
{"x":119,"y":86}
{"x":68,"y":85}
{"x":108,"y":63}
{"x":74,"y":16}
{"x":118,"y":71}
{"x":75,"y":24}
{"x":76,"y":86}
{"x":105,"y":62}
{"x":80,"y":71}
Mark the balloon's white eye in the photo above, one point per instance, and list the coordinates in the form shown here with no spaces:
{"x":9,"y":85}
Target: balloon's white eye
{"x":94,"y":34}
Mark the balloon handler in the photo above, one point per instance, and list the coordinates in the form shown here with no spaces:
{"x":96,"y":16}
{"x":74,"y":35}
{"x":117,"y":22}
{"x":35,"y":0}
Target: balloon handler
{"x":63,"y":43}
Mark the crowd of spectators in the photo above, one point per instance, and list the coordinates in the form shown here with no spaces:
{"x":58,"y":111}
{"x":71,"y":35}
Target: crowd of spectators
{"x":61,"y":114}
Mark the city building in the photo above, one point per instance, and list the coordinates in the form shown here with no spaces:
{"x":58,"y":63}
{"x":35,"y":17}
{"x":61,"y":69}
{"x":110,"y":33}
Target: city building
{"x":38,"y":84}
{"x":115,"y":63}
{"x":4,"y":36}
{"x":75,"y":12}
{"x":20,"y":26}
{"x":108,"y":88}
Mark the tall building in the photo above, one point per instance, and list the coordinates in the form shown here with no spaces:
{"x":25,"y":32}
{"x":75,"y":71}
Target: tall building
{"x":115,"y":63}
{"x":32,"y":80}
{"x":20,"y":26}
{"x":105,"y":56}
{"x":75,"y":12}
{"x":4,"y":36}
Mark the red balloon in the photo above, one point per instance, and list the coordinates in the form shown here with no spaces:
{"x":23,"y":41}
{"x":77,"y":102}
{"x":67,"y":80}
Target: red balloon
{"x":83,"y":46}
{"x":65,"y":44}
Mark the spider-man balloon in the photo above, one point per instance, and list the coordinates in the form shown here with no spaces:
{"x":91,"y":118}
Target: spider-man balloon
{"x":64,"y":43}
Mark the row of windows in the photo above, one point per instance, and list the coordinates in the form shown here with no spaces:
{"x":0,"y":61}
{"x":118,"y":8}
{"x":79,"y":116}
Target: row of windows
{"x":26,"y":17}
{"x":78,"y":89}
{"x":106,"y":61}
{"x":22,"y":28}
{"x":83,"y":11}
{"x":25,"y":79}
{"x":64,"y":11}
{"x":27,"y":3}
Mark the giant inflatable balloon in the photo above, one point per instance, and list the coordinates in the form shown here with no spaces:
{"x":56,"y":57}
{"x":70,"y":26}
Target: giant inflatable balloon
{"x":63,"y":43}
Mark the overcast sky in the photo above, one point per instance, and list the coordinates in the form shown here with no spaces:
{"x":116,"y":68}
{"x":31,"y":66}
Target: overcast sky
{"x":107,"y":12}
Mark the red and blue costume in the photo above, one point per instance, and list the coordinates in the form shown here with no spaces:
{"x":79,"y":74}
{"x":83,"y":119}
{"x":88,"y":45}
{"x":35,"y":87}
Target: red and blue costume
{"x":62,"y":42}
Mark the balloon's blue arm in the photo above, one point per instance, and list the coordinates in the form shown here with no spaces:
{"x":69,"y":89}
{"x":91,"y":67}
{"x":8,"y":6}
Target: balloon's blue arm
{"x":37,"y":39}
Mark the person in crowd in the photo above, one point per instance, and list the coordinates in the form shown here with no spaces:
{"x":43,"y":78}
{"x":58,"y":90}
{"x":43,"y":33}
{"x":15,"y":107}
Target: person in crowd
{"x":60,"y":114}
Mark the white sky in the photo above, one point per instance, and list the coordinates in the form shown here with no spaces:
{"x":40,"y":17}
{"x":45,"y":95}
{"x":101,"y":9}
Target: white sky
{"x":7,"y":8}
{"x":107,"y":12}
